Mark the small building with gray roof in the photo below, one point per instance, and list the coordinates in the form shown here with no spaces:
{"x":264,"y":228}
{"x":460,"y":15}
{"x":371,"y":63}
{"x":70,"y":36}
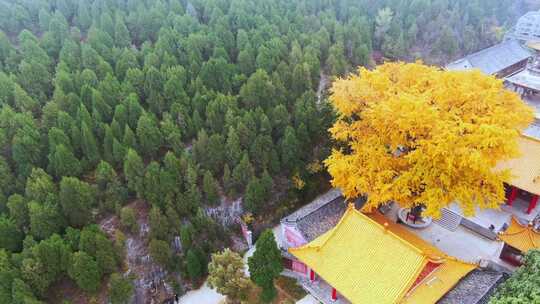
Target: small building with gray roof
{"x":500,"y":60}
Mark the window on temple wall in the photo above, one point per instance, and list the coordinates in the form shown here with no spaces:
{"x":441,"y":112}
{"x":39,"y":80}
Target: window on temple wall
{"x":294,"y":265}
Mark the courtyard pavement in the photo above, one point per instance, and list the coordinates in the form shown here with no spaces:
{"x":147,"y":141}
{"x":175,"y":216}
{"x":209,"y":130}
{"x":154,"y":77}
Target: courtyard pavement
{"x":203,"y":295}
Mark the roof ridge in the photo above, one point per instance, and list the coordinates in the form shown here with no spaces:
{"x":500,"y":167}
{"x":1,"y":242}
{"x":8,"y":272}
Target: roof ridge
{"x":330,"y":233}
{"x":332,"y":194}
{"x":351,"y":210}
{"x":386,"y":230}
{"x":409,"y":288}
{"x":341,"y":220}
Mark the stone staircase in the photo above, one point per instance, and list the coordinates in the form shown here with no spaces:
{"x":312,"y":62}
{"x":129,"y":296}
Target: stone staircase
{"x":449,"y":219}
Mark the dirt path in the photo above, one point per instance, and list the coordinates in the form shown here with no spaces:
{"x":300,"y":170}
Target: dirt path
{"x":323,"y":83}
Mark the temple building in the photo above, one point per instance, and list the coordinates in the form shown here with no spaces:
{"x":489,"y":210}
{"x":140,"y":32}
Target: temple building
{"x":522,"y":235}
{"x":372,"y":260}
{"x":333,"y":249}
{"x":500,"y":60}
{"x":340,"y":255}
{"x":527,"y":28}
{"x":517,"y":223}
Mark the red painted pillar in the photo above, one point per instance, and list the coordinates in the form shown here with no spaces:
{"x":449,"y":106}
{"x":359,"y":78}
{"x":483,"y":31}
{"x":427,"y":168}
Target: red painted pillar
{"x":311,"y":275}
{"x":512,"y":196}
{"x":334,"y":294}
{"x":532,"y":203}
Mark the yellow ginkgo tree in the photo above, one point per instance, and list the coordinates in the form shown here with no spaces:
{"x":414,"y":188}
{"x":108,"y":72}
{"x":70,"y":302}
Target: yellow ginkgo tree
{"x":418,"y":135}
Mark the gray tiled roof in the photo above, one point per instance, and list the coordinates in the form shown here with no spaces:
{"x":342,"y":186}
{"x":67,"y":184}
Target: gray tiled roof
{"x":324,"y":219}
{"x":317,"y":203}
{"x":475,"y":288}
{"x":493,"y":59}
{"x":319,"y":216}
{"x":525,"y":78}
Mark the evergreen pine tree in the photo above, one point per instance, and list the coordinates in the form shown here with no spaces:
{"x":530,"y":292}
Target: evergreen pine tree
{"x":108,"y":142}
{"x":77,"y":199}
{"x":233,"y":151}
{"x":119,"y":151}
{"x":84,"y":271}
{"x":62,"y":162}
{"x":121,"y":33}
{"x":129,"y":140}
{"x":194,"y":267}
{"x":242,"y":173}
{"x":266,"y":184}
{"x":228,"y":186}
{"x":120,"y":289}
{"x":153,"y":191}
{"x":134,"y":172}
{"x":89,"y":145}
{"x":265,"y":265}
{"x":254,"y":195}
{"x":149,"y":135}
{"x":210,"y":187}
{"x":289,"y":149}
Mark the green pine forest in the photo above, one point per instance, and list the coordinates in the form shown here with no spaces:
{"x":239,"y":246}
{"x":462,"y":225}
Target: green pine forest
{"x":180,"y":106}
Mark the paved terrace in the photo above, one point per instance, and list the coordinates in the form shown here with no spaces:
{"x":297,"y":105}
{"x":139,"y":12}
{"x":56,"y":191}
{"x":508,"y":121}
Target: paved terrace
{"x":519,"y":210}
{"x":462,"y":243}
{"x":497,"y":217}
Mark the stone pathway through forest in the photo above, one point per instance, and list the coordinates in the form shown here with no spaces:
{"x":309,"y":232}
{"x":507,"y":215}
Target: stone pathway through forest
{"x":323,"y":82}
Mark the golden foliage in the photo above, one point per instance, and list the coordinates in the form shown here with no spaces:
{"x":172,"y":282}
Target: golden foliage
{"x":314,"y":167}
{"x":298,"y":182}
{"x":248,"y":218}
{"x":415,"y":134}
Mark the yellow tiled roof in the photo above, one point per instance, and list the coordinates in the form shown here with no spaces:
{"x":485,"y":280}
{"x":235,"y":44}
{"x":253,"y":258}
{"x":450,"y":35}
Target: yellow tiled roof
{"x":427,"y":249}
{"x":370,"y":261}
{"x":521,"y":237}
{"x":440,"y":281}
{"x":526,"y":168}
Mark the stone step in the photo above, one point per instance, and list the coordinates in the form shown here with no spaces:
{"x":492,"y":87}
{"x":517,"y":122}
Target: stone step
{"x":449,"y":219}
